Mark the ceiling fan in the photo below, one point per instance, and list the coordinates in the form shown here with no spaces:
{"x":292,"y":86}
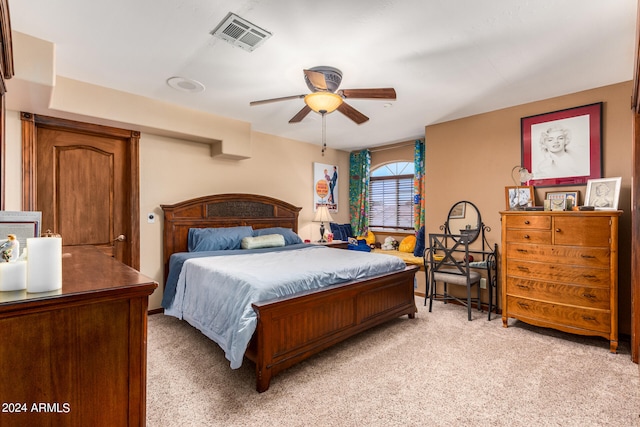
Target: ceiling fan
{"x":323,"y":81}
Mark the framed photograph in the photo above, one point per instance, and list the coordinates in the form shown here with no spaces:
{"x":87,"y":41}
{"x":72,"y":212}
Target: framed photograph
{"x":325,"y":186}
{"x":458,"y":211}
{"x":518,"y":198}
{"x":563,"y":147}
{"x":570,"y":196}
{"x":603,"y":194}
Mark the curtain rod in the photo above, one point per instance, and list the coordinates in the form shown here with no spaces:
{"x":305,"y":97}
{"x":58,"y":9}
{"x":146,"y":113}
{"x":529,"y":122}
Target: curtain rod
{"x":393,"y":146}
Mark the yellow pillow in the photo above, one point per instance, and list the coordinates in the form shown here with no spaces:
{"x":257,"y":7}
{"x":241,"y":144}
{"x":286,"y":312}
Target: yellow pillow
{"x":370,"y":238}
{"x":408,"y":244}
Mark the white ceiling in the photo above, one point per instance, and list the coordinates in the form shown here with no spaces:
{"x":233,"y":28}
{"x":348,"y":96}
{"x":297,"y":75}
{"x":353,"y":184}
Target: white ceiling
{"x":446,"y":58}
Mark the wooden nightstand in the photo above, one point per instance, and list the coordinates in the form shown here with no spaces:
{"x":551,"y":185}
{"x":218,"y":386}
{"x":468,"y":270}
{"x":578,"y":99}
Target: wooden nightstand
{"x":337,"y":244}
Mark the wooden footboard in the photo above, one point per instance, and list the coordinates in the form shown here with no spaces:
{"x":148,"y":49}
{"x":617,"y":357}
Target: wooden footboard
{"x":292,"y":329}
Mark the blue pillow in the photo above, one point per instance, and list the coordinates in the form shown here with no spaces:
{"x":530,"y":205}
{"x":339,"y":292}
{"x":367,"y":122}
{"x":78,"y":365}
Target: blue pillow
{"x":217,"y":239}
{"x":347,"y":231}
{"x":290,"y":237}
{"x":336,"y":230}
{"x":420,"y":244}
{"x":341,"y":231}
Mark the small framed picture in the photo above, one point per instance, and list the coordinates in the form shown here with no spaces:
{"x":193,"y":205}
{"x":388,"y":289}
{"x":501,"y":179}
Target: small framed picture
{"x":570,"y":196}
{"x":603,"y":193}
{"x":518,"y":198}
{"x":558,"y":204}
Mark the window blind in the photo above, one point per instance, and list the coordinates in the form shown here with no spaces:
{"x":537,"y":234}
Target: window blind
{"x":391,"y":202}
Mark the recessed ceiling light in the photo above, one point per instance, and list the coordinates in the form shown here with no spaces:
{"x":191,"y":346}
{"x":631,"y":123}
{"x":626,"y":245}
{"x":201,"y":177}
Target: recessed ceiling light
{"x":185,"y":85}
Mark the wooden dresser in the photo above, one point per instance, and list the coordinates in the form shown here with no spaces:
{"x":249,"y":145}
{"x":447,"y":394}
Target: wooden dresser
{"x":560,"y":270}
{"x":76,"y":356}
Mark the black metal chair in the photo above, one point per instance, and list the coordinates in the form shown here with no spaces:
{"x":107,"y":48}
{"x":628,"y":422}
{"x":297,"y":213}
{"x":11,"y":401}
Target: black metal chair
{"x":447,"y":260}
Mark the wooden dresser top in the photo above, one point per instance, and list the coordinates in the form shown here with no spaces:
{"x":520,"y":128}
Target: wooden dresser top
{"x":86,"y":274}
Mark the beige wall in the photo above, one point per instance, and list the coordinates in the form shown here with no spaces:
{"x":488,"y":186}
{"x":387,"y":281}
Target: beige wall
{"x":472,"y":158}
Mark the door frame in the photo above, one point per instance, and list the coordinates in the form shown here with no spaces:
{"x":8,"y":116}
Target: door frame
{"x":31,"y":123}
{"x":635,"y":202}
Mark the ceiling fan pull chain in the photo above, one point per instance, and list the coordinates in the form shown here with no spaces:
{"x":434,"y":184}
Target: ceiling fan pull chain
{"x":324,"y":132}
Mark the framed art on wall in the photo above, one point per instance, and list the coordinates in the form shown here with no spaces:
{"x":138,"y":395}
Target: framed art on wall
{"x":563,"y":147}
{"x":325,"y":186}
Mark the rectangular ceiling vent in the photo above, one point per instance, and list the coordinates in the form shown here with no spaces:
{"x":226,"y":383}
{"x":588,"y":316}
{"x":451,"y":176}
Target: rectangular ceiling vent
{"x":240,"y":32}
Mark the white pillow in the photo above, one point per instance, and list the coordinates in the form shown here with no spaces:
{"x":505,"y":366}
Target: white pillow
{"x":265,"y":241}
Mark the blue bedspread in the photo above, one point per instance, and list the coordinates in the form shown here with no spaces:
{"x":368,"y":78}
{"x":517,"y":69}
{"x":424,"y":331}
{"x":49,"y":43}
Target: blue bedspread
{"x":215,"y":293}
{"x":176,"y":260}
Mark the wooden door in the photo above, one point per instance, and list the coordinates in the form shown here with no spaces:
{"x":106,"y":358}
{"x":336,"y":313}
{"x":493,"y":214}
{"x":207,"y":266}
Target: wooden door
{"x":83,"y":178}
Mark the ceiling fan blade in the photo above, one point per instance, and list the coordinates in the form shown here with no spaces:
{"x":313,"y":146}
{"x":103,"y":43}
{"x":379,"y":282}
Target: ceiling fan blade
{"x":381,"y":93}
{"x":284,"y":98}
{"x":352,"y":113}
{"x":316,"y":79}
{"x":300,"y":115}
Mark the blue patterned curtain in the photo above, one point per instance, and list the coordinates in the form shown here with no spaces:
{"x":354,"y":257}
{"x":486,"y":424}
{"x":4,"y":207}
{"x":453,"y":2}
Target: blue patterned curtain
{"x":418,"y":184}
{"x":359,"y":167}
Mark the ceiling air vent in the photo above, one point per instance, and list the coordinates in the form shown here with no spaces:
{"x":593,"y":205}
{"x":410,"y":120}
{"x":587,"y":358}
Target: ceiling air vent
{"x":240,"y":32}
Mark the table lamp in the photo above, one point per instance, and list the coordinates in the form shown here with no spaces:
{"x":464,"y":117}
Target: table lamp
{"x":322,"y":215}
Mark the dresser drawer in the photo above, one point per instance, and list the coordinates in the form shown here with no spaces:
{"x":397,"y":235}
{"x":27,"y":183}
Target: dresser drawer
{"x":541,"y":222}
{"x":572,"y":255}
{"x":598,"y":277}
{"x":529,"y":236}
{"x":561,"y":293}
{"x":582,"y":231}
{"x":555,"y":315}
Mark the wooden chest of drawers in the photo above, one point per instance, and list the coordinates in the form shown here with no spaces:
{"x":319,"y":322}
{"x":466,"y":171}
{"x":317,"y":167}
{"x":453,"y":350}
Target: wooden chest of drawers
{"x":77,"y":356}
{"x":560,"y":270}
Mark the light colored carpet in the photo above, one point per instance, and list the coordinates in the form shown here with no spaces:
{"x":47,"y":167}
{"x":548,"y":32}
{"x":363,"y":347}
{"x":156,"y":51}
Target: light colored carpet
{"x":435,"y":370}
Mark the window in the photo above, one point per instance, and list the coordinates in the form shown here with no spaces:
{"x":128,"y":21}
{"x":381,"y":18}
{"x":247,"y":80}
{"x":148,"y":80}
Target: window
{"x":391,"y":196}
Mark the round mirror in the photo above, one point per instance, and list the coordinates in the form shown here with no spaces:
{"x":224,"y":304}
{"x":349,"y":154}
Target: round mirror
{"x":464,"y":219}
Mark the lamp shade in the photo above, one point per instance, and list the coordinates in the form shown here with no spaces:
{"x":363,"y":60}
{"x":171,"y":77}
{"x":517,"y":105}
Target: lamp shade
{"x":323,"y":101}
{"x":322,"y":214}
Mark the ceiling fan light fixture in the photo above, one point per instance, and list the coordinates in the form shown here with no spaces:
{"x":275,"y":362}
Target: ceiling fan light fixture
{"x":326,"y":102}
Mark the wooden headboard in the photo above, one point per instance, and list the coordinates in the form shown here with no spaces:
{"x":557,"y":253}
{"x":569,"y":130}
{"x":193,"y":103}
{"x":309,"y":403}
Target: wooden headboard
{"x":222,"y":210}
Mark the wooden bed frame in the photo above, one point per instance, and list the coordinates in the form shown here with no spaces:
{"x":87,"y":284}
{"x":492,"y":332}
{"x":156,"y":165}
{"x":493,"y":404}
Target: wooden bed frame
{"x":294,"y":328}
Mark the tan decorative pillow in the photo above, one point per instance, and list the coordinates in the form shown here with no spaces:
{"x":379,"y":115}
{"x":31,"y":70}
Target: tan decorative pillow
{"x":265,"y":241}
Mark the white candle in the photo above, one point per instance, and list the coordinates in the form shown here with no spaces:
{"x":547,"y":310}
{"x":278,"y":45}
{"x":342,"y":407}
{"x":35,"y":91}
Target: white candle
{"x":13,"y":276}
{"x":44,"y":264}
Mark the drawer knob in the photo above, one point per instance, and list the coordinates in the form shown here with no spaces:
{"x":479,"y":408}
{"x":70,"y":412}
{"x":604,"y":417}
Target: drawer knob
{"x":523,"y":304}
{"x":589,"y":318}
{"x":589,"y":296}
{"x":526,"y":236}
{"x":526,"y":221}
{"x":558,"y":230}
